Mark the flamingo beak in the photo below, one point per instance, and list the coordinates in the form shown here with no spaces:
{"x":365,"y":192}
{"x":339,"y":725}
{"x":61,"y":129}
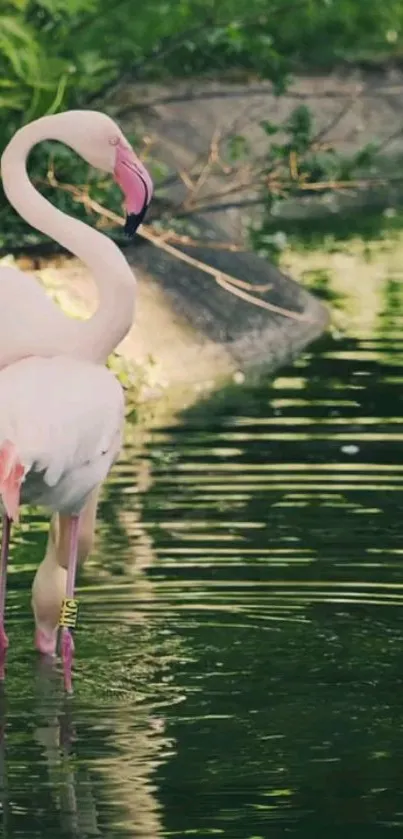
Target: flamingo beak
{"x":136,"y":185}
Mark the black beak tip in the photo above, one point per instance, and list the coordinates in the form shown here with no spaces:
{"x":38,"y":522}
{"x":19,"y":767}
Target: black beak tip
{"x":133,"y":221}
{"x":131,"y":225}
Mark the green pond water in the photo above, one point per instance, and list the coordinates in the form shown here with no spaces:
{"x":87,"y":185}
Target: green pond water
{"x":239,"y":666}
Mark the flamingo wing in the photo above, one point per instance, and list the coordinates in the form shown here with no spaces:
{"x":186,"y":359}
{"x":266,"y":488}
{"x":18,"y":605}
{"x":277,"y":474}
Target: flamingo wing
{"x":63,"y":419}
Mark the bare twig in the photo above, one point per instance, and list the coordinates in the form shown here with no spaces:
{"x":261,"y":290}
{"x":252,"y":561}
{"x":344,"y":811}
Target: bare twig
{"x":223,"y":281}
{"x":293,"y":166}
{"x":226,"y":205}
{"x":388,"y":140}
{"x":318,"y":186}
{"x":206,"y":168}
{"x":336,"y":119}
{"x":186,"y":179}
{"x":227,"y":281}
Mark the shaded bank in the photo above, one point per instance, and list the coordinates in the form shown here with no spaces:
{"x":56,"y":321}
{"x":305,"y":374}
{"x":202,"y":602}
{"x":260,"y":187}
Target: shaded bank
{"x":252,"y":336}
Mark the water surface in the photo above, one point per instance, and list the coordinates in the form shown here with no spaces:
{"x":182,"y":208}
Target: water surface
{"x":240,"y":654}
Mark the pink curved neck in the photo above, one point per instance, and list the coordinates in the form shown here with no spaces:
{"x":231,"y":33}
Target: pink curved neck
{"x":95,"y":338}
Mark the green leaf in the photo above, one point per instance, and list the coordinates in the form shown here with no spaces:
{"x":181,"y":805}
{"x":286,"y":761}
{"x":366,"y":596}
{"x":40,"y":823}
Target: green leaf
{"x":270,"y":128}
{"x":68,"y":7}
{"x":58,"y":100}
{"x":238,"y":147}
{"x":13,"y":101}
{"x":366,"y":155}
{"x":20,"y":5}
{"x":12,"y":27}
{"x":8,"y":83}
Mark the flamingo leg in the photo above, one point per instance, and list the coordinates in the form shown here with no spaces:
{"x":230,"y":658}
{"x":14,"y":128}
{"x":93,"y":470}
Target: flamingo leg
{"x":69,"y":608}
{"x":5,"y":541}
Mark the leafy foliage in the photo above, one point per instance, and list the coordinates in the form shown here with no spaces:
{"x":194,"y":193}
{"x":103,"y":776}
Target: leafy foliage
{"x":62,"y":53}
{"x":55,"y":52}
{"x":300,"y":168}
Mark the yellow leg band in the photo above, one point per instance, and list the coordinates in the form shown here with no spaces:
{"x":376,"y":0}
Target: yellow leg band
{"x":69,"y":613}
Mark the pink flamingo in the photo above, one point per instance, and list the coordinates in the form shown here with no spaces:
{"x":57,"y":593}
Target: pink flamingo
{"x":62,"y":410}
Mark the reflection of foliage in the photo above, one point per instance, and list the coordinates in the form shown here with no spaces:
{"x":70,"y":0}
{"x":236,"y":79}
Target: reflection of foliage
{"x":327,"y":230}
{"x":310,"y":707}
{"x":320,"y":281}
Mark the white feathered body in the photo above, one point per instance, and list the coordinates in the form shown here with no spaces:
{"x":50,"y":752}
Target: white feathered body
{"x":65,"y":418}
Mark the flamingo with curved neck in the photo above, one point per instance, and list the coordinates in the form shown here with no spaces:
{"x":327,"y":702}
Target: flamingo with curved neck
{"x":40,"y":327}
{"x":61,"y":410}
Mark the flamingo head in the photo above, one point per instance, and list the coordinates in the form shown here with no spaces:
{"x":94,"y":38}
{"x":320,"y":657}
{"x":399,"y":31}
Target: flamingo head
{"x":101,"y":142}
{"x":135,"y":182}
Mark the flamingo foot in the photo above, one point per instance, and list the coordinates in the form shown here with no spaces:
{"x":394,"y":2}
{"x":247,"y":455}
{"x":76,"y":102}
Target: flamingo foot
{"x":3,"y":653}
{"x":67,"y":651}
{"x":45,"y":642}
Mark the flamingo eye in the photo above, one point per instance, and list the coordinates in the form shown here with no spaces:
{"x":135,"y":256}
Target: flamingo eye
{"x":113,"y":141}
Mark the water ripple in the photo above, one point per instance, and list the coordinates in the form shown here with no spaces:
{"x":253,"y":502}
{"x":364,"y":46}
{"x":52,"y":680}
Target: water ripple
{"x":239,"y":654}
